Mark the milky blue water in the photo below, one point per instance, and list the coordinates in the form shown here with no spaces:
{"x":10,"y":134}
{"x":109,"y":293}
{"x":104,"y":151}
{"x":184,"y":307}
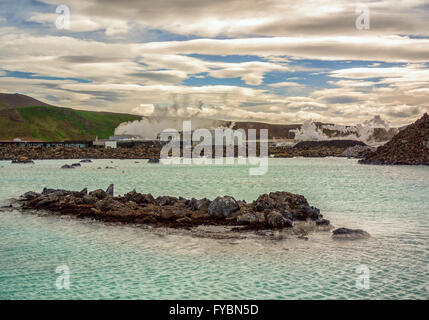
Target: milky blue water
{"x":126,"y":262}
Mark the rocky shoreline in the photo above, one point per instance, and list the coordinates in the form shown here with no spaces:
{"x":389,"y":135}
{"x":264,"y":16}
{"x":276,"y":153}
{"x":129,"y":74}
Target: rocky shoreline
{"x":20,"y":154}
{"x":276,"y":211}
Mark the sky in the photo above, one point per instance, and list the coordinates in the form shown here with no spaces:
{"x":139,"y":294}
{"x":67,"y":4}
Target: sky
{"x":276,"y":61}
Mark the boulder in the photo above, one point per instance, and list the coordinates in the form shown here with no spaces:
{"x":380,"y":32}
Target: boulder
{"x":86,"y":161}
{"x":30,"y":195}
{"x":66,"y":166}
{"x":223,"y":206}
{"x":195,"y":204}
{"x":99,"y":193}
{"x":139,"y":197}
{"x":89,"y":199}
{"x":282,"y":201}
{"x":104,"y":204}
{"x":276,"y":220}
{"x":305,"y":212}
{"x":153,"y":160}
{"x":344,"y":233}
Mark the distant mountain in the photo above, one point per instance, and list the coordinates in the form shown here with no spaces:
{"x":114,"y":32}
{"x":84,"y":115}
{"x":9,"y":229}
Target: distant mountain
{"x":27,"y":118}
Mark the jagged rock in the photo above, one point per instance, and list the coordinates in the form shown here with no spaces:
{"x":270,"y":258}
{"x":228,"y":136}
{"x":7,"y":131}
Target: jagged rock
{"x":305,"y":212}
{"x":109,"y":190}
{"x":282,"y":201}
{"x":88,"y":199}
{"x":166,"y":200}
{"x":408,"y":147}
{"x":139,"y":197}
{"x":31,"y":195}
{"x":344,"y":233}
{"x":276,"y":220}
{"x":223,"y":206}
{"x":48,"y":191}
{"x":195,"y":204}
{"x":104,"y":204}
{"x":99,"y":193}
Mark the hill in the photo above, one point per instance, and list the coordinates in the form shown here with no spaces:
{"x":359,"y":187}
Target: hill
{"x":19,"y":100}
{"x":27,"y":118}
{"x":409,"y":146}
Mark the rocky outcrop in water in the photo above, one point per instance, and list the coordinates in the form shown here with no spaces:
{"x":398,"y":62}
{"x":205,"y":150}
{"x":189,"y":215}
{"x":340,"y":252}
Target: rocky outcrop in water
{"x":276,"y":210}
{"x":351,"y":234}
{"x":410,"y":146}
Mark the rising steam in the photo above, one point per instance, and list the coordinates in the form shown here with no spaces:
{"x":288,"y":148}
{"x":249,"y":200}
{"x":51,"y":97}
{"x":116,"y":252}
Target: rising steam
{"x":371,"y":131}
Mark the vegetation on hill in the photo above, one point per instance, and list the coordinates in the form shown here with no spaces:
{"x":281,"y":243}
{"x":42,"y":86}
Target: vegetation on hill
{"x":49,"y":123}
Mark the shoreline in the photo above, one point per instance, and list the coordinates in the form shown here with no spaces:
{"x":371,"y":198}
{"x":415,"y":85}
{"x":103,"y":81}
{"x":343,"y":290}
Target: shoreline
{"x":329,"y":148}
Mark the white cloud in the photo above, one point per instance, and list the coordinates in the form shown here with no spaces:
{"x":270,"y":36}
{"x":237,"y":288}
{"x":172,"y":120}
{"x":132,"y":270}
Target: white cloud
{"x":389,"y":49}
{"x":124,"y":74}
{"x":81,"y":23}
{"x":285,"y":84}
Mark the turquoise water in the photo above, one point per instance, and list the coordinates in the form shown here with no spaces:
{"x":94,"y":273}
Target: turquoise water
{"x":126,"y":262}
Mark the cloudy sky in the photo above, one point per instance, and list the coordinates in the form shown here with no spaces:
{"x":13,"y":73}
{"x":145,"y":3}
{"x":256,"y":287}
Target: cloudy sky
{"x":278,"y":61}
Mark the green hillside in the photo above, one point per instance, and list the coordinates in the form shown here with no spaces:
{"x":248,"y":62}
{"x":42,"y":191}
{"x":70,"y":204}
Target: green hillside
{"x":50,"y":123}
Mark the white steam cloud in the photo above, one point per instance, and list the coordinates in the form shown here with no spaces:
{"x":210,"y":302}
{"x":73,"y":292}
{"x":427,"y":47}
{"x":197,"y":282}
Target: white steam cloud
{"x":365,"y":131}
